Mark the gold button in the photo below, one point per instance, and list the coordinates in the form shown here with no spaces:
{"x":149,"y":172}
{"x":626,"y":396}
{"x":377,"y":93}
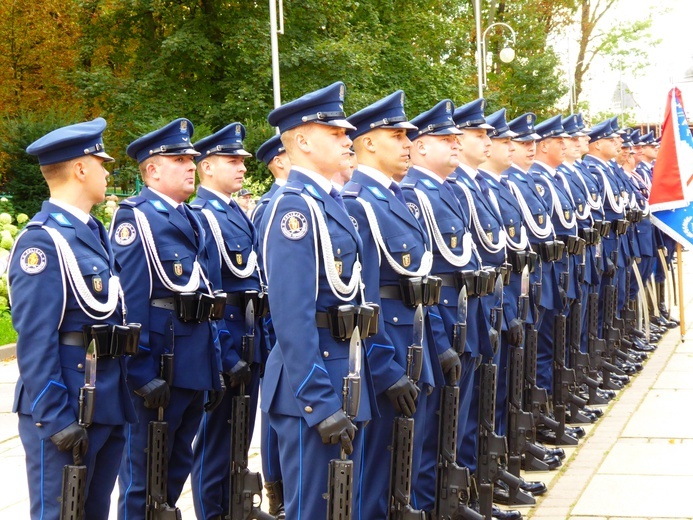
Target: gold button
{"x":39,"y":424}
{"x":326,"y":354}
{"x":395,"y":319}
{"x":308,"y":409}
{"x":80,"y":366}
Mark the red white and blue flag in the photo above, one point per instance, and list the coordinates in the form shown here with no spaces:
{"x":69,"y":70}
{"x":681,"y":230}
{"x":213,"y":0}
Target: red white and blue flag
{"x":672,"y":181}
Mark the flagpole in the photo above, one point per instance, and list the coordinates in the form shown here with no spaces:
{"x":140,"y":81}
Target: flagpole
{"x":679,"y":266}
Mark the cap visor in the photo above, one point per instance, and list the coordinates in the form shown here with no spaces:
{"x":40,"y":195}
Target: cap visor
{"x":104,"y":156}
{"x":404,"y":124}
{"x":341,"y":123}
{"x":184,"y":151}
{"x":448,"y":130}
{"x":503,"y":135}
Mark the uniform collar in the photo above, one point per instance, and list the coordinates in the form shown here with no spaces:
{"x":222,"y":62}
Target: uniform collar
{"x":597,"y":159}
{"x":429,"y":173}
{"x":165,"y":197}
{"x":491,"y":174}
{"x":280,"y":182}
{"x":376,"y":175}
{"x":73,"y":210}
{"x":552,"y":171}
{"x":468,"y":170}
{"x":219,"y":194}
{"x":318,"y":179}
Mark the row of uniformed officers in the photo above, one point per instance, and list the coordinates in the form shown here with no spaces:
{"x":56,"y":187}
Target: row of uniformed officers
{"x":435,"y":204}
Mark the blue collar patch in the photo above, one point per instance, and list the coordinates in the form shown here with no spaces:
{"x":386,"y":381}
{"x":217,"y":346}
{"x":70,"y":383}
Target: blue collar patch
{"x":61,"y":219}
{"x":216,"y":205}
{"x":376,"y":191}
{"x":159,"y":206}
{"x":311,"y":189}
{"x":428,"y":183}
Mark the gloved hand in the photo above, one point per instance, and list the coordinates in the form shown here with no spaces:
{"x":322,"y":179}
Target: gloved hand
{"x":563,"y":296}
{"x":609,"y":267}
{"x":494,"y":339}
{"x":451,"y":365}
{"x":214,"y":397}
{"x":155,"y":393}
{"x":338,"y":428}
{"x":73,"y":437}
{"x":403,"y":395}
{"x":240,"y":373}
{"x":516,"y":332}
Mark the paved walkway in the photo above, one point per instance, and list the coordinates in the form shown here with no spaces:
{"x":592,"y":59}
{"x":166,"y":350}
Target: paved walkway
{"x":635,"y":463}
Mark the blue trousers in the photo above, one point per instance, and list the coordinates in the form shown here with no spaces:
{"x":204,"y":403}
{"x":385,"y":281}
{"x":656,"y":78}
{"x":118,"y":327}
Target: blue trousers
{"x":44,"y":469}
{"x":183,"y":415}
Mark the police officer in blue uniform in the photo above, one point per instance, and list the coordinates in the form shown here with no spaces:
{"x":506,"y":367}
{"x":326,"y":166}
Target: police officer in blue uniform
{"x":397,"y":261}
{"x":433,"y":157}
{"x":231,"y":243}
{"x":481,"y":206}
{"x":62,"y":276}
{"x":273,"y":154}
{"x":160,"y":243}
{"x":312,"y":261}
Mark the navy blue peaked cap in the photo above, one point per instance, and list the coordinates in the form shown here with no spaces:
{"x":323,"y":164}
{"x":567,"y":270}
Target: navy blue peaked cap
{"x":471,"y":115}
{"x":436,"y":121}
{"x":385,"y":113}
{"x":601,"y":130}
{"x":551,"y":127}
{"x":523,"y":126}
{"x":227,"y":141}
{"x":500,"y":125}
{"x":173,"y":139}
{"x":71,"y":142}
{"x":571,"y":125}
{"x":648,"y":138}
{"x":635,"y":137}
{"x":270,"y":149}
{"x":324,"y":106}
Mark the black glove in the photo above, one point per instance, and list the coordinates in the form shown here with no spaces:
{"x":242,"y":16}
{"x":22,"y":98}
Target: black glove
{"x":156,"y":393}
{"x":494,"y":339}
{"x":73,"y":437}
{"x":451,"y":365}
{"x":240,"y":373}
{"x":338,"y":428}
{"x":516,"y":332}
{"x":563,"y":296}
{"x":403,"y":396}
{"x":609,"y":268}
{"x":214,"y":397}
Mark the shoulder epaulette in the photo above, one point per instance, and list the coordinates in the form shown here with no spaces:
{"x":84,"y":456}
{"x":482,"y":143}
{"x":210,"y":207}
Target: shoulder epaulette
{"x":38,"y":220}
{"x":293,"y":187}
{"x":408,"y":183}
{"x":351,"y":190}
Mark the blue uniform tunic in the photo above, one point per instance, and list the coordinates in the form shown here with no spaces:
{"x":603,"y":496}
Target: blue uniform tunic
{"x":44,"y":307}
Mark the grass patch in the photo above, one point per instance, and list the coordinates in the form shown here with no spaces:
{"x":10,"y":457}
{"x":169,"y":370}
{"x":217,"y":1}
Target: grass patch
{"x":7,"y":332}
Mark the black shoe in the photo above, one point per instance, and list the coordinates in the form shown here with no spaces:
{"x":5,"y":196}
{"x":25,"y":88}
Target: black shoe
{"x":556,"y":452}
{"x":503,"y":514}
{"x":582,"y":418}
{"x":275,"y":497}
{"x":535,"y":487}
{"x":597,"y":412}
{"x":575,"y":431}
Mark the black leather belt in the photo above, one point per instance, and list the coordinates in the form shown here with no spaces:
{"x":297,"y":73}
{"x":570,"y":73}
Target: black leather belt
{"x":234,"y":299}
{"x":391,"y":292}
{"x":163,"y":303}
{"x":75,"y":339}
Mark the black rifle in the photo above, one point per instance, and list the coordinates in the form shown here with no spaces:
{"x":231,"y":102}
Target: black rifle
{"x":596,"y":352}
{"x":74,"y":486}
{"x":157,"y":507}
{"x":245,"y":486}
{"x":340,"y":477}
{"x":403,"y":437}
{"x":579,"y":364}
{"x":612,"y":338}
{"x":563,"y":378}
{"x":453,"y":483}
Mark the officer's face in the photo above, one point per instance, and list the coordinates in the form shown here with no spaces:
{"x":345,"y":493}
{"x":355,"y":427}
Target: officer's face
{"x":392,"y":148}
{"x":637,"y":155}
{"x":554,"y":148}
{"x":441,"y":153}
{"x":227,"y":173}
{"x":475,"y":144}
{"x":584,"y":144}
{"x":174,"y":176}
{"x":649,"y":152}
{"x":96,"y":176}
{"x":524,"y":153}
{"x":328,"y":148}
{"x":501,"y":154}
{"x":573,"y":148}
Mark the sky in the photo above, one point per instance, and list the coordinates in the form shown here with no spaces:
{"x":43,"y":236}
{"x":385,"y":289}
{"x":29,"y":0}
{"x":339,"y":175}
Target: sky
{"x":668,"y":61}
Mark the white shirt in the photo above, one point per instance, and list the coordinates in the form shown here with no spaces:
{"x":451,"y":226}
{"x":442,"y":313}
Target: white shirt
{"x":74,"y":210}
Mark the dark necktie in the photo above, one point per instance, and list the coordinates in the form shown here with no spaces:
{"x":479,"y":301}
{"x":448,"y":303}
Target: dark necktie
{"x":337,"y":198}
{"x":94,"y":228}
{"x":485,"y":188}
{"x":394,"y":188}
{"x":181,"y":209}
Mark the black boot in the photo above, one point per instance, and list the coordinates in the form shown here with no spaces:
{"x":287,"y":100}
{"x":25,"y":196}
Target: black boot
{"x":275,"y":498}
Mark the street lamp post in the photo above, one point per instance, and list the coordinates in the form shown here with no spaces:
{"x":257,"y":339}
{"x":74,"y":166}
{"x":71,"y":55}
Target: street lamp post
{"x":274,"y":31}
{"x":506,"y":55}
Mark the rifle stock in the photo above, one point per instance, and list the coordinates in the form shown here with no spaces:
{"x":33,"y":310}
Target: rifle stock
{"x":563,"y":377}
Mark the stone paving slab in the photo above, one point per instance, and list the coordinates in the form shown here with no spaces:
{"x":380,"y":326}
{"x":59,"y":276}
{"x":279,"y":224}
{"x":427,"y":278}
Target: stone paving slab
{"x":675,"y":380}
{"x":660,"y":415}
{"x":631,"y":496}
{"x":650,"y":457}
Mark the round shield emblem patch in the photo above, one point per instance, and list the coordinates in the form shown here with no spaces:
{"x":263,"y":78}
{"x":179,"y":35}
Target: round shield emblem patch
{"x":294,"y":225}
{"x":125,"y":234}
{"x":414,"y":209}
{"x":33,"y":260}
